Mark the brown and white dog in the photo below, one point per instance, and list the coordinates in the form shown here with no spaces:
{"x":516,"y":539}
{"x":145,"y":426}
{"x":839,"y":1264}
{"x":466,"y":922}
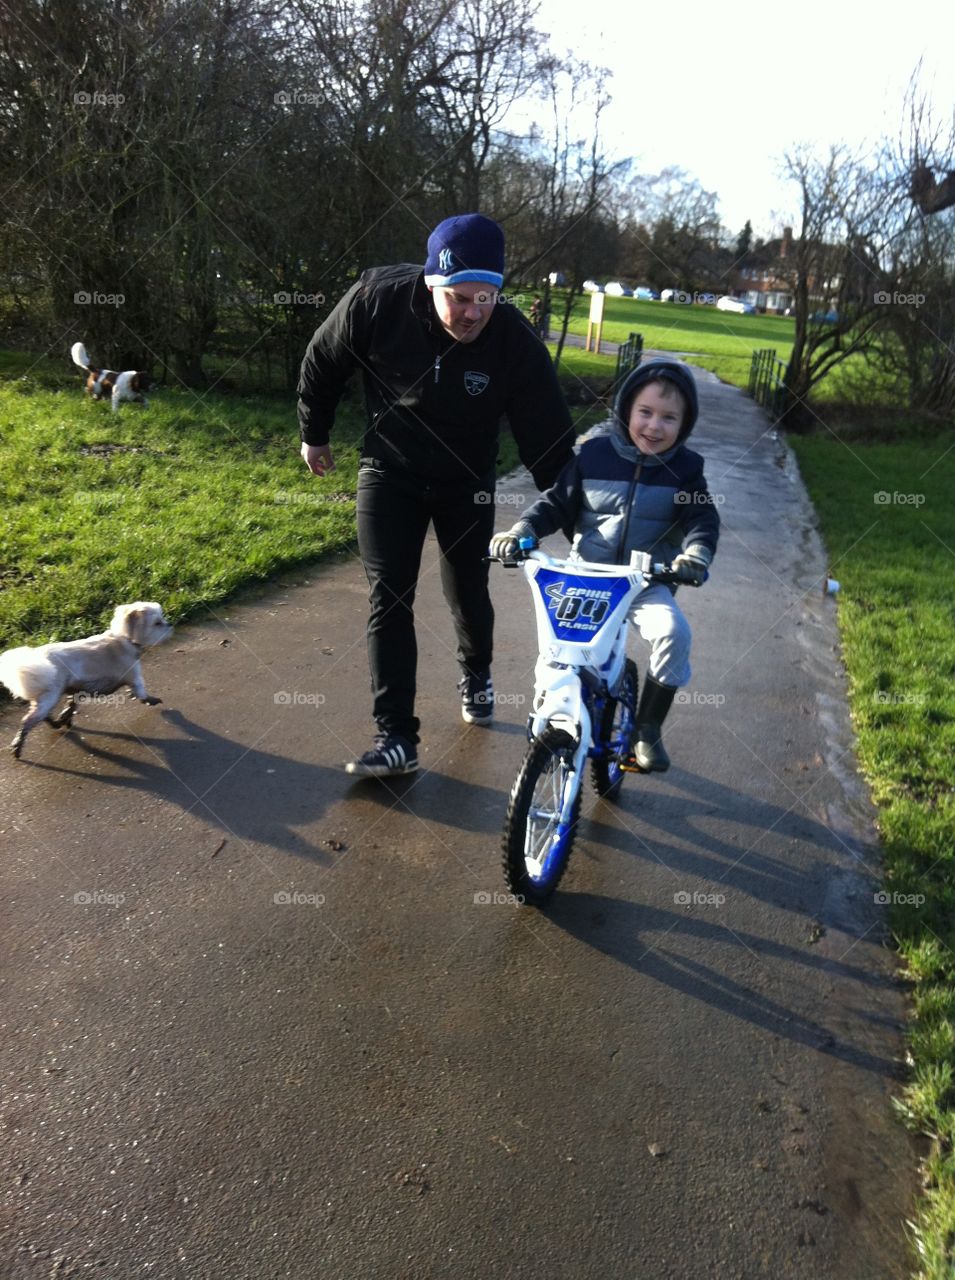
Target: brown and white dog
{"x":106,"y":382}
{"x":98,"y":665}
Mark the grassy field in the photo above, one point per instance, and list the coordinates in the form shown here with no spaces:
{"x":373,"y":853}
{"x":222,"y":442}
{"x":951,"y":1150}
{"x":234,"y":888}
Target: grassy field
{"x":185,"y":502}
{"x":716,"y":340}
{"x":889,"y":523}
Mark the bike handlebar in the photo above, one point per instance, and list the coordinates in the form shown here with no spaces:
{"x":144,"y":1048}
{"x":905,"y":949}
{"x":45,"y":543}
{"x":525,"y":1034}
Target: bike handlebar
{"x":640,"y":562}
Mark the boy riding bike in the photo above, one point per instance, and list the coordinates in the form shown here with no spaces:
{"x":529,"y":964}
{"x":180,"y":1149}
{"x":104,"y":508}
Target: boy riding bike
{"x":639,"y":488}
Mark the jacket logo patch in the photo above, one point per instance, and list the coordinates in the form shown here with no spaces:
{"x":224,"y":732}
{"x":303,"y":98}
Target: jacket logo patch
{"x":474,"y":383}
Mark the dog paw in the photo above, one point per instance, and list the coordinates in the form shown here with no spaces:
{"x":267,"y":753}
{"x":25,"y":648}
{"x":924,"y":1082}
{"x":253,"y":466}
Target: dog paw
{"x":152,"y":702}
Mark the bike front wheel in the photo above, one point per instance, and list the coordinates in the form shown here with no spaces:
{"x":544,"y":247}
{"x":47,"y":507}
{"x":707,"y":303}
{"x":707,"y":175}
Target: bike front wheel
{"x":541,"y":817}
{"x":615,"y":733}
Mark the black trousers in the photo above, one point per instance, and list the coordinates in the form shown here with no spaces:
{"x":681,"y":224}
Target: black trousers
{"x":394,"y":512}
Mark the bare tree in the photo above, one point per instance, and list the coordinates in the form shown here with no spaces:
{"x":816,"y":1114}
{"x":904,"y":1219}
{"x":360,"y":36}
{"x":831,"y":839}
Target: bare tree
{"x":836,"y":268}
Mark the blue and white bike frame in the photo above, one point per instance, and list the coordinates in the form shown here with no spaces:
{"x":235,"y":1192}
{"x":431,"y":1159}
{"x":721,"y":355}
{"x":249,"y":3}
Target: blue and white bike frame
{"x":581,"y":610}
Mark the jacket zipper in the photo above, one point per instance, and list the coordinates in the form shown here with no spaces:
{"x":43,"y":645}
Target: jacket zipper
{"x":626,"y":524}
{"x":437,"y":366}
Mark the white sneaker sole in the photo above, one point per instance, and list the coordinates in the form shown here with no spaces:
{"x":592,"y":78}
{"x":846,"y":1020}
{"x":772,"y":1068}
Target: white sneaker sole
{"x":468,"y":718}
{"x":359,"y":770}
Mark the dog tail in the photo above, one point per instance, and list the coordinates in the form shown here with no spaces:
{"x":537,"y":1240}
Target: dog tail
{"x":78,"y":352}
{"x":25,"y":674}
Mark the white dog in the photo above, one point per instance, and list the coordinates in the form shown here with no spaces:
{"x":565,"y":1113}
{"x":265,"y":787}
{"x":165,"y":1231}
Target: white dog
{"x":131,"y":385}
{"x":101,"y":664}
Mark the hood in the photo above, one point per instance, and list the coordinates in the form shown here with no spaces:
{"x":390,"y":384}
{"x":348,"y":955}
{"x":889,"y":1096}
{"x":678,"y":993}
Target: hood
{"x":653,"y":371}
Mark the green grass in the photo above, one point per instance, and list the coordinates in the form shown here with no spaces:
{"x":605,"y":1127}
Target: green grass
{"x":896,"y":563}
{"x":184,"y":503}
{"x":715,"y":340}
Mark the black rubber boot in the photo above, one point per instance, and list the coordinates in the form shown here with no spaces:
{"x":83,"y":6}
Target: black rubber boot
{"x":648,"y":750}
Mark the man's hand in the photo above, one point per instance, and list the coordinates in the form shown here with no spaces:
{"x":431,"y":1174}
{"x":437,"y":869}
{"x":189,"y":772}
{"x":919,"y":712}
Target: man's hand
{"x":690,"y":569}
{"x":318,"y":458}
{"x":504,"y":546}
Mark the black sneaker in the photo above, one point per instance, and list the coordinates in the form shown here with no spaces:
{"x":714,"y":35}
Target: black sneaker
{"x":477,"y":698}
{"x":390,"y":756}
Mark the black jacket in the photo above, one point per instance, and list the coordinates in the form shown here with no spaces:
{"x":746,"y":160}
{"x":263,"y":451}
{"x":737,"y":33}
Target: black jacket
{"x":434,"y":405}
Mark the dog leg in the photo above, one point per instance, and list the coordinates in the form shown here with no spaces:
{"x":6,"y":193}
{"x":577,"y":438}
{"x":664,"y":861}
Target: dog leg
{"x":39,"y":710}
{"x":138,"y":687}
{"x":65,"y":719}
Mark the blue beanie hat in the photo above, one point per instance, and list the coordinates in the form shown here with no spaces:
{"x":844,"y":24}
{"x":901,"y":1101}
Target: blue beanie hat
{"x":467,"y":247}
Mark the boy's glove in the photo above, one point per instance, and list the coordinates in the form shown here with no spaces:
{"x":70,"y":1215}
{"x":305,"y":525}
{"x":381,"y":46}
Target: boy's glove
{"x":505,"y":546}
{"x":690,"y":569}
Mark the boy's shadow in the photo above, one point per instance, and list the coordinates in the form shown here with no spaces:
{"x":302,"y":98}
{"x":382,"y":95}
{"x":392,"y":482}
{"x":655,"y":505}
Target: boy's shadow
{"x":661,"y":827}
{"x":626,"y":931}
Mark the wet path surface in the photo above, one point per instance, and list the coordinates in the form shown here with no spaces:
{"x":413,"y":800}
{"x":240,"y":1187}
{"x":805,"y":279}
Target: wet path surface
{"x":263,"y":1021}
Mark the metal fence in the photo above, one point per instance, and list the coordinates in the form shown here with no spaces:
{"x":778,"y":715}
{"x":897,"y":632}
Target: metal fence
{"x":767,"y":383}
{"x":628,"y":356}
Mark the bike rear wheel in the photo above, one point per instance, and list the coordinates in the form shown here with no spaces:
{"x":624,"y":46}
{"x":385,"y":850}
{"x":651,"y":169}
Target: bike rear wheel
{"x":541,"y":818}
{"x":614,"y":733}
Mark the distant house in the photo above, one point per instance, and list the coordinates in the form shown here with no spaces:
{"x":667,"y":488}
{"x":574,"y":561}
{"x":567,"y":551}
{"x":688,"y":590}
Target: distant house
{"x":763,"y":275}
{"x":766,"y":275}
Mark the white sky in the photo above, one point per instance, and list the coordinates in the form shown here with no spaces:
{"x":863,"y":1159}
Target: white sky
{"x":723,"y":90}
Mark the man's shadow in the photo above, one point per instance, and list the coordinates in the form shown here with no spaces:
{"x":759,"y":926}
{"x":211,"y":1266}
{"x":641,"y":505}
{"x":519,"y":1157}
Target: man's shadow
{"x":262,"y":796}
{"x":220,"y":780}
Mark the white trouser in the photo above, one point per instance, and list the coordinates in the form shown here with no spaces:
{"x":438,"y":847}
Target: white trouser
{"x":661,"y":622}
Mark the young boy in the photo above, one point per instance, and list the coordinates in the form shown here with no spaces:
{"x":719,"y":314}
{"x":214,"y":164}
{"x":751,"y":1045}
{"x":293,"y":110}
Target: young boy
{"x":639,"y":488}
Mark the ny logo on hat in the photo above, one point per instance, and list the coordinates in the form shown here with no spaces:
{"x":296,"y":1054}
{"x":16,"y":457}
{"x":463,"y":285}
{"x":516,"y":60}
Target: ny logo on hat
{"x":446,"y":261}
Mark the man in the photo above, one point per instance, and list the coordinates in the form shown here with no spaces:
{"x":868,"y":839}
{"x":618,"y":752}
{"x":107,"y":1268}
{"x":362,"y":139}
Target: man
{"x":442,"y":361}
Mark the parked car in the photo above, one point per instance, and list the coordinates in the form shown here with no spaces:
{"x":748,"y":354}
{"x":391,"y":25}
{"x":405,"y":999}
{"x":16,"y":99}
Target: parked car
{"x":591,"y":286}
{"x":557,"y":279}
{"x":617,"y":290}
{"x":824,"y":317}
{"x":643,"y":293}
{"x":676,"y":295}
{"x":737,"y":305}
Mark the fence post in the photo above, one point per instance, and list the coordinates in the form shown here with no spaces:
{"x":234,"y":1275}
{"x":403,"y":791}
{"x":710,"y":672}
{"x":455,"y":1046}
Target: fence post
{"x":628,"y":355}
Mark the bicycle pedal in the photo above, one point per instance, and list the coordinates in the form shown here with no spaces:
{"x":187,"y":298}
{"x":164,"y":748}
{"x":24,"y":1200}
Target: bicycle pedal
{"x":629,"y":765}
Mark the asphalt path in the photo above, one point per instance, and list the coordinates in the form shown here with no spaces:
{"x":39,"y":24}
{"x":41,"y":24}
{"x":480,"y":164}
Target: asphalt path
{"x":262,"y":1020}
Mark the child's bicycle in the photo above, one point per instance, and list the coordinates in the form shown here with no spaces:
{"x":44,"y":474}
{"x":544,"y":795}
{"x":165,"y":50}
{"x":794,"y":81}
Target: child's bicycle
{"x":585,"y":701}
